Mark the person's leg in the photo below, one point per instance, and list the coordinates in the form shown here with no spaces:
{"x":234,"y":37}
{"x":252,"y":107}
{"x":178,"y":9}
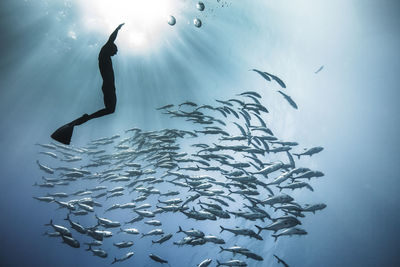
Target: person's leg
{"x":110,"y":101}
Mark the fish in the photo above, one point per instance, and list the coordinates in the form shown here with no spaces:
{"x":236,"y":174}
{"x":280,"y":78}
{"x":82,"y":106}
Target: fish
{"x":232,"y":263}
{"x":185,"y":241}
{"x":281,"y":261}
{"x":79,"y":212}
{"x":153,"y":222}
{"x":288,"y":99}
{"x":157,"y":259}
{"x":204,"y":263}
{"x":59,"y":228}
{"x":94,"y":243}
{"x":192,"y":232}
{"x":314,"y":207}
{"x":76,"y":226}
{"x":51,"y":154}
{"x":70,"y":241}
{"x":98,"y":252}
{"x":59,"y":195}
{"x":165,"y":107}
{"x":310,"y":152}
{"x":85,"y":207}
{"x":251,"y":255}
{"x":135,"y":219}
{"x":309,"y":174}
{"x":270,"y":169}
{"x":124,"y":244}
{"x":47,"y":199}
{"x":319,"y":69}
{"x":124,"y":258}
{"x":235,"y":249}
{"x":242,"y":231}
{"x":290,"y":232}
{"x":279,"y":224}
{"x":171,"y":201}
{"x":296,"y":185}
{"x":154,"y":232}
{"x":132,"y":231}
{"x":113,"y":207}
{"x":283,"y":198}
{"x":95,"y":234}
{"x":213,"y":239}
{"x":53,"y":234}
{"x":145,"y":213}
{"x":278,"y":80}
{"x":162,"y":239}
{"x":45,"y":168}
{"x":107,"y":223}
{"x":263,"y":74}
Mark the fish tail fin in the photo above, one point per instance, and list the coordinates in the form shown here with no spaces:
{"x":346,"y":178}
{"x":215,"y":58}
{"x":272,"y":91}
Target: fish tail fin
{"x":218,"y":263}
{"x":280,"y":188}
{"x":35,"y":184}
{"x":120,"y":230}
{"x":115,"y":260}
{"x":222,"y":228}
{"x":143,"y":235}
{"x":259,"y":229}
{"x":89,"y":248}
{"x":298,"y":155}
{"x":180,"y":230}
{"x":49,"y":224}
{"x":230,"y":192}
{"x":221,"y":249}
{"x":276,"y":237}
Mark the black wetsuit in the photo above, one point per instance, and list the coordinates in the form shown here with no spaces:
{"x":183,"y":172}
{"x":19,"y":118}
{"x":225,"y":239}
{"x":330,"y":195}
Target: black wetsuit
{"x":64,"y":133}
{"x":107,"y":73}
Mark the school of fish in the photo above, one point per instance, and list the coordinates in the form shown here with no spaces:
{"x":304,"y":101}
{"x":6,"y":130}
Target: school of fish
{"x":229,"y":165}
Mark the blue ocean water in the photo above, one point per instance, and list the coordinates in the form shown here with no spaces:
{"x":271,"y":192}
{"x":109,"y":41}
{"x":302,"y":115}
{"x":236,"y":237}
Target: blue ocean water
{"x":49,"y":76}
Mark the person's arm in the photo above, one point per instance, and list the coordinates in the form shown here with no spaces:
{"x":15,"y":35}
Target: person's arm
{"x":113,"y":36}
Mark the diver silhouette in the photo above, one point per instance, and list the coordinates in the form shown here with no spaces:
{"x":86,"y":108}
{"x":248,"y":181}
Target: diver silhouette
{"x":64,"y":133}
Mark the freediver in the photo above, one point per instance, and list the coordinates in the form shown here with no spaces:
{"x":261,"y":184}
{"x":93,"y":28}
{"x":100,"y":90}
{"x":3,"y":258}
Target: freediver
{"x":64,"y":133}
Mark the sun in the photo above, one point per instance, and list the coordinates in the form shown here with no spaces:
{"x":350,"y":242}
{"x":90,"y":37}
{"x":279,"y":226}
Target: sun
{"x":144,"y":19}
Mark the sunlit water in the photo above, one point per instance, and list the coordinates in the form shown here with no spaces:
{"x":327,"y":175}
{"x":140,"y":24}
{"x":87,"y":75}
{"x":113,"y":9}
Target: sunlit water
{"x":49,"y":76}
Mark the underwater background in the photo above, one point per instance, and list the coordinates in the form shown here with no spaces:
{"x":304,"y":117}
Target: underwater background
{"x":49,"y":76}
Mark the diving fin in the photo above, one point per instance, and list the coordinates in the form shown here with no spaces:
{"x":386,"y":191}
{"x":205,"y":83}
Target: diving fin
{"x":64,"y":133}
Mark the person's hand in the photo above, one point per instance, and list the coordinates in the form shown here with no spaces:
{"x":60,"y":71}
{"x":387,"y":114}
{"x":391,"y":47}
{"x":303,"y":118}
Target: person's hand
{"x":120,"y":26}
